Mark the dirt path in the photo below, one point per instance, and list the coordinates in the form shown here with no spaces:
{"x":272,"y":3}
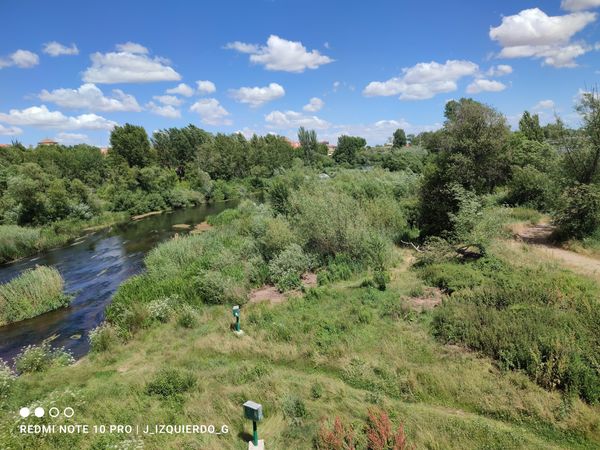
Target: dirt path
{"x":538,"y":237}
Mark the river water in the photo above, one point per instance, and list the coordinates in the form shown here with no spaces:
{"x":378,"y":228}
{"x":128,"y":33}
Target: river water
{"x":93,"y":267}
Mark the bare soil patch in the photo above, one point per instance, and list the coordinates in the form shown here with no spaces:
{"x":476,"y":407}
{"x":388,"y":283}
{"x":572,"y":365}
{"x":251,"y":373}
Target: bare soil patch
{"x":431,"y":298}
{"x":271,"y":294}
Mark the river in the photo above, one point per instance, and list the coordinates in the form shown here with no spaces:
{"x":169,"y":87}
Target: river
{"x":93,"y":267}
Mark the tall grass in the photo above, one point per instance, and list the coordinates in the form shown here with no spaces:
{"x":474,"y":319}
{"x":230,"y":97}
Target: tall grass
{"x":32,"y":293}
{"x":16,"y":241}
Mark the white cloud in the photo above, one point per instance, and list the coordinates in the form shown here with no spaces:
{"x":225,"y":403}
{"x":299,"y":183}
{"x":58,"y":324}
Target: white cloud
{"x":169,"y":100}
{"x":483,"y":85}
{"x":257,"y":96}
{"x":499,"y":70}
{"x":182,"y":89}
{"x":242,"y":47}
{"x":281,"y":54}
{"x":211,"y":112}
{"x":314,"y":105}
{"x":165,"y":110}
{"x":40,"y":116}
{"x":130,"y":64}
{"x":21,"y":58}
{"x":578,"y":5}
{"x":294,"y":119}
{"x":132,"y":47}
{"x":336,"y":86}
{"x":71,"y":138}
{"x":206,"y":87}
{"x":56,"y":49}
{"x":423,"y":80}
{"x":544,"y":104}
{"x":532,"y":33}
{"x":9,"y":131}
{"x":89,"y":96}
{"x":375,"y":133}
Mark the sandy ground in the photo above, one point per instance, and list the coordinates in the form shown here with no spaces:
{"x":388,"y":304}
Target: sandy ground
{"x":270,"y":294}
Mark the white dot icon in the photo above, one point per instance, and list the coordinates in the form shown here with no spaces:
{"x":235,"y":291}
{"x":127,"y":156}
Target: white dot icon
{"x":39,"y":412}
{"x":24,"y":412}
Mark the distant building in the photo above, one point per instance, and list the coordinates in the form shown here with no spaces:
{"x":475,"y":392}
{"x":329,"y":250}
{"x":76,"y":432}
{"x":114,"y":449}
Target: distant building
{"x":104,"y":150}
{"x":47,"y":142}
{"x":4,"y":145}
{"x":294,"y":144}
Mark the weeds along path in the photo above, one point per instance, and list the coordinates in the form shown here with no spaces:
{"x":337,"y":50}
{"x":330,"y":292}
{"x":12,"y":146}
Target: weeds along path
{"x":537,"y":238}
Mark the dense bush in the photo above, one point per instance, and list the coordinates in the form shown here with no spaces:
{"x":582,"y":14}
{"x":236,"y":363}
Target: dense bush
{"x":530,"y":187}
{"x":103,"y":338}
{"x":7,"y":378}
{"x":286,"y":268}
{"x":578,"y":214}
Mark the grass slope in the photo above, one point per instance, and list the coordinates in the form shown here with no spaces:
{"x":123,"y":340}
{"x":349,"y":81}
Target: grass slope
{"x":338,"y":350}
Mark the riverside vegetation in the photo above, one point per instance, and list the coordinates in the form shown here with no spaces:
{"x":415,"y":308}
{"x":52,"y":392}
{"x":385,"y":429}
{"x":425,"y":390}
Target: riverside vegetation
{"x":509,"y":358}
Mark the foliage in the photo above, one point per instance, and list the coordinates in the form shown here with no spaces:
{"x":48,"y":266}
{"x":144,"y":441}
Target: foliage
{"x":187,"y":317}
{"x":347,"y":149}
{"x":131,"y":143}
{"x":399,"y":138}
{"x":529,"y":125}
{"x":38,"y":358}
{"x":578,"y":213}
{"x":32,"y":293}
{"x":103,"y":338}
{"x":286,"y":268}
{"x":531,"y":188}
{"x":7,"y":379}
{"x":170,"y":383}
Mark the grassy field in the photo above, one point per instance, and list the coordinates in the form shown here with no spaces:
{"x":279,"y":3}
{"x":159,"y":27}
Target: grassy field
{"x":307,"y":360}
{"x":32,"y":293}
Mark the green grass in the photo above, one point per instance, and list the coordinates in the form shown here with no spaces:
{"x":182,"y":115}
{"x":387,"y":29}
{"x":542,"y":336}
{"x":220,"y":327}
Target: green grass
{"x":32,"y":293}
{"x":445,"y":396}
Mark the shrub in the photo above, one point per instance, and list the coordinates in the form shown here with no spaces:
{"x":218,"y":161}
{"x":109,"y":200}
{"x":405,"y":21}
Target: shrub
{"x":579,"y":212}
{"x":32,"y":293}
{"x":7,"y":378}
{"x":316,"y":391}
{"x":103,"y":338}
{"x":288,"y":266}
{"x":529,"y":187}
{"x":293,"y":407}
{"x":170,"y":382}
{"x":187,"y":317}
{"x":38,"y":358}
{"x":161,"y":309}
{"x":215,"y":288}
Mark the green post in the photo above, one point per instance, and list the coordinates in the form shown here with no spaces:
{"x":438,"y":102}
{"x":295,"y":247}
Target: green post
{"x":236,"y":314}
{"x":254,"y":433}
{"x":253,"y":412}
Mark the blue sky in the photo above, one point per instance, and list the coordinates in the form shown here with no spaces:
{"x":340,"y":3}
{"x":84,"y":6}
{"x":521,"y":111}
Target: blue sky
{"x":71,"y":70}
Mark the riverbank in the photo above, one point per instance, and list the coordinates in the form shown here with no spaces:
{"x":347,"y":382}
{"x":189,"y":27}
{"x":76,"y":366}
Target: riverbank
{"x":18,"y":242}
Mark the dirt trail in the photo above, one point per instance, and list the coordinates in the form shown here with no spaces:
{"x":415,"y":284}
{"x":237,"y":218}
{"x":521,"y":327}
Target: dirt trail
{"x":538,"y":237}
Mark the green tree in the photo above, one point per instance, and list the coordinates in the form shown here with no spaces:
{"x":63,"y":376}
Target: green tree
{"x":178,"y":146}
{"x":399,"y":138}
{"x":308,"y":144}
{"x":348,"y":148}
{"x":131,"y":143}
{"x":529,"y":125}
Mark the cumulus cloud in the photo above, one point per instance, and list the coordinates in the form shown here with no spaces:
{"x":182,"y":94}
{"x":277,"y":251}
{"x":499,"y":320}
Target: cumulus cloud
{"x":182,"y":89}
{"x":164,"y":110}
{"x":579,"y":5}
{"x":483,"y":85}
{"x":169,"y":100}
{"x":499,"y":70}
{"x":9,"y":131}
{"x":132,"y":47}
{"x":206,"y":87}
{"x":294,"y":119}
{"x":423,"y":80}
{"x":21,"y":58}
{"x":544,"y":104}
{"x":375,"y":133}
{"x":89,"y":96}
{"x":281,"y":54}
{"x":129,"y":64}
{"x":40,"y":116}
{"x":71,"y":138}
{"x":257,"y":96}
{"x":534,"y":34}
{"x":211,"y":112}
{"x":56,"y":49}
{"x":314,"y":105}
